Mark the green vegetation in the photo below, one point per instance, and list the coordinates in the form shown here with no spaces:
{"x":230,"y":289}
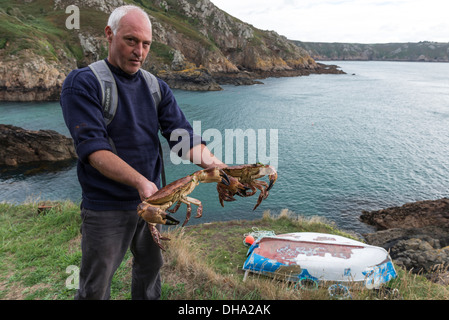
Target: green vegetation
{"x":162,"y":52}
{"x":36,"y":249}
{"x":37,"y":27}
{"x":201,"y":261}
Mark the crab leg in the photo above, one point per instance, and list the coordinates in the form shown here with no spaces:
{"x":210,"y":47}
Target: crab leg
{"x":272,"y":175}
{"x":263,"y":192}
{"x":178,"y":204}
{"x":188,"y":214}
{"x":188,"y":201}
{"x":157,"y":237}
{"x":199,"y":211}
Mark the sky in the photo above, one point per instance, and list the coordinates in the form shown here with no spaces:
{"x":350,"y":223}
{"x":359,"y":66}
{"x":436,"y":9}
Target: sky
{"x":353,"y":21}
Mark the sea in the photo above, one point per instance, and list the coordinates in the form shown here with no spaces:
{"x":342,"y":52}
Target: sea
{"x":375,"y":137}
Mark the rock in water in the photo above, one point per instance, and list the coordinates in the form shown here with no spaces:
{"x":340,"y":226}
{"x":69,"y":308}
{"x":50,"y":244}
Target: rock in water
{"x":19,"y":146}
{"x":416,"y":234}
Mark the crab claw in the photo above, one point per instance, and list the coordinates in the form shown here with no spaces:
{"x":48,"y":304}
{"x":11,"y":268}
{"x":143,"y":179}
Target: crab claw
{"x":155,"y":215}
{"x":244,"y":182}
{"x":272,"y":177}
{"x":226,"y":191}
{"x":224,"y":178}
{"x":212,"y":174}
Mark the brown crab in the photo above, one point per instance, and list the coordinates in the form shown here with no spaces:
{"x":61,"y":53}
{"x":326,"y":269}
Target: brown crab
{"x":152,"y":209}
{"x":244,"y":183}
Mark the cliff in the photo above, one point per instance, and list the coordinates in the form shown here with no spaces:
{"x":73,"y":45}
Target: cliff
{"x":424,"y":51}
{"x":196,"y":46}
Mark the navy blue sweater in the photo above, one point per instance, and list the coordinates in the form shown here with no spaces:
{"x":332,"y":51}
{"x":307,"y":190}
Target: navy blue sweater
{"x":134,"y":131}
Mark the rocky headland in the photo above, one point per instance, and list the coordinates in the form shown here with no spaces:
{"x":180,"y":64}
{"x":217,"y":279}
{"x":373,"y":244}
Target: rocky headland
{"x":416,"y":235}
{"x":196,"y":46}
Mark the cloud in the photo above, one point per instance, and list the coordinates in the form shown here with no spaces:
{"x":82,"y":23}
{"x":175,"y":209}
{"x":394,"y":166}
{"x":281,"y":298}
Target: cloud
{"x":365,"y":21}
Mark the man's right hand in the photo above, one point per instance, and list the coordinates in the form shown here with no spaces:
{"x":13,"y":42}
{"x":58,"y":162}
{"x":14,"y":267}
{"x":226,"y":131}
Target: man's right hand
{"x":146,"y":189}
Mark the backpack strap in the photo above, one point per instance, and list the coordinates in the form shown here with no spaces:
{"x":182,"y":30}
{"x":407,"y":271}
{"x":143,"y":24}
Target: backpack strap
{"x":110,"y":99}
{"x":153,"y":84}
{"x":108,"y":89}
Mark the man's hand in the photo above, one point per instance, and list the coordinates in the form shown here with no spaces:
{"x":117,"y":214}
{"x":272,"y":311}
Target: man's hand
{"x":201,"y":156}
{"x":146,"y":189}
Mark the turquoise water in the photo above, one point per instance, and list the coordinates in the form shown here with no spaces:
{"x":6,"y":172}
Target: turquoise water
{"x":374,"y":138}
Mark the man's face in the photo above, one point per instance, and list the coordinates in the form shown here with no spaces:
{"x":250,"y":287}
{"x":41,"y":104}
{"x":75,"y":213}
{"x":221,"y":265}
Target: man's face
{"x":129,"y":47}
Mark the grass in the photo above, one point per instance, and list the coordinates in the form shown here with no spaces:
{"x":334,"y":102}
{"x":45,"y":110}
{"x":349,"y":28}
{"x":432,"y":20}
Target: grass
{"x":40,"y":254}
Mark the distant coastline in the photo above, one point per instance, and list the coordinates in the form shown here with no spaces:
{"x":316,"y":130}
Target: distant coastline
{"x":424,"y":51}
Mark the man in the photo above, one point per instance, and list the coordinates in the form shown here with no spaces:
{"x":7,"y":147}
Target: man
{"x":115,"y":181}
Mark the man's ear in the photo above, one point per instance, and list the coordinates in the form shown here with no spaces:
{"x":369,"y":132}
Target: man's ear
{"x":108,"y":32}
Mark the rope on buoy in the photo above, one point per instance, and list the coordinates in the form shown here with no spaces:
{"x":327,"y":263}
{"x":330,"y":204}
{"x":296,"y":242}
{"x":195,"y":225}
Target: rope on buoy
{"x":256,"y":234}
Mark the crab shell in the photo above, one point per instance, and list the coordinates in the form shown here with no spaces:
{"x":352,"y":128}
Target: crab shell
{"x":173,"y":192}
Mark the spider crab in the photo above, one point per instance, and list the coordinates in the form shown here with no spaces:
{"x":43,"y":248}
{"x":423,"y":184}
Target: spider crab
{"x":152,"y":209}
{"x":244,"y":183}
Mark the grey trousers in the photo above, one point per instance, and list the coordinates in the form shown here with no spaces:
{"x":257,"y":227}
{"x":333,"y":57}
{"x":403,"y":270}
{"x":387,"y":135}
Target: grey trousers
{"x":106,"y":236}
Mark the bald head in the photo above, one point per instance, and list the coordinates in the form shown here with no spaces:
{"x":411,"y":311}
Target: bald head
{"x":129,"y":35}
{"x":120,"y":12}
